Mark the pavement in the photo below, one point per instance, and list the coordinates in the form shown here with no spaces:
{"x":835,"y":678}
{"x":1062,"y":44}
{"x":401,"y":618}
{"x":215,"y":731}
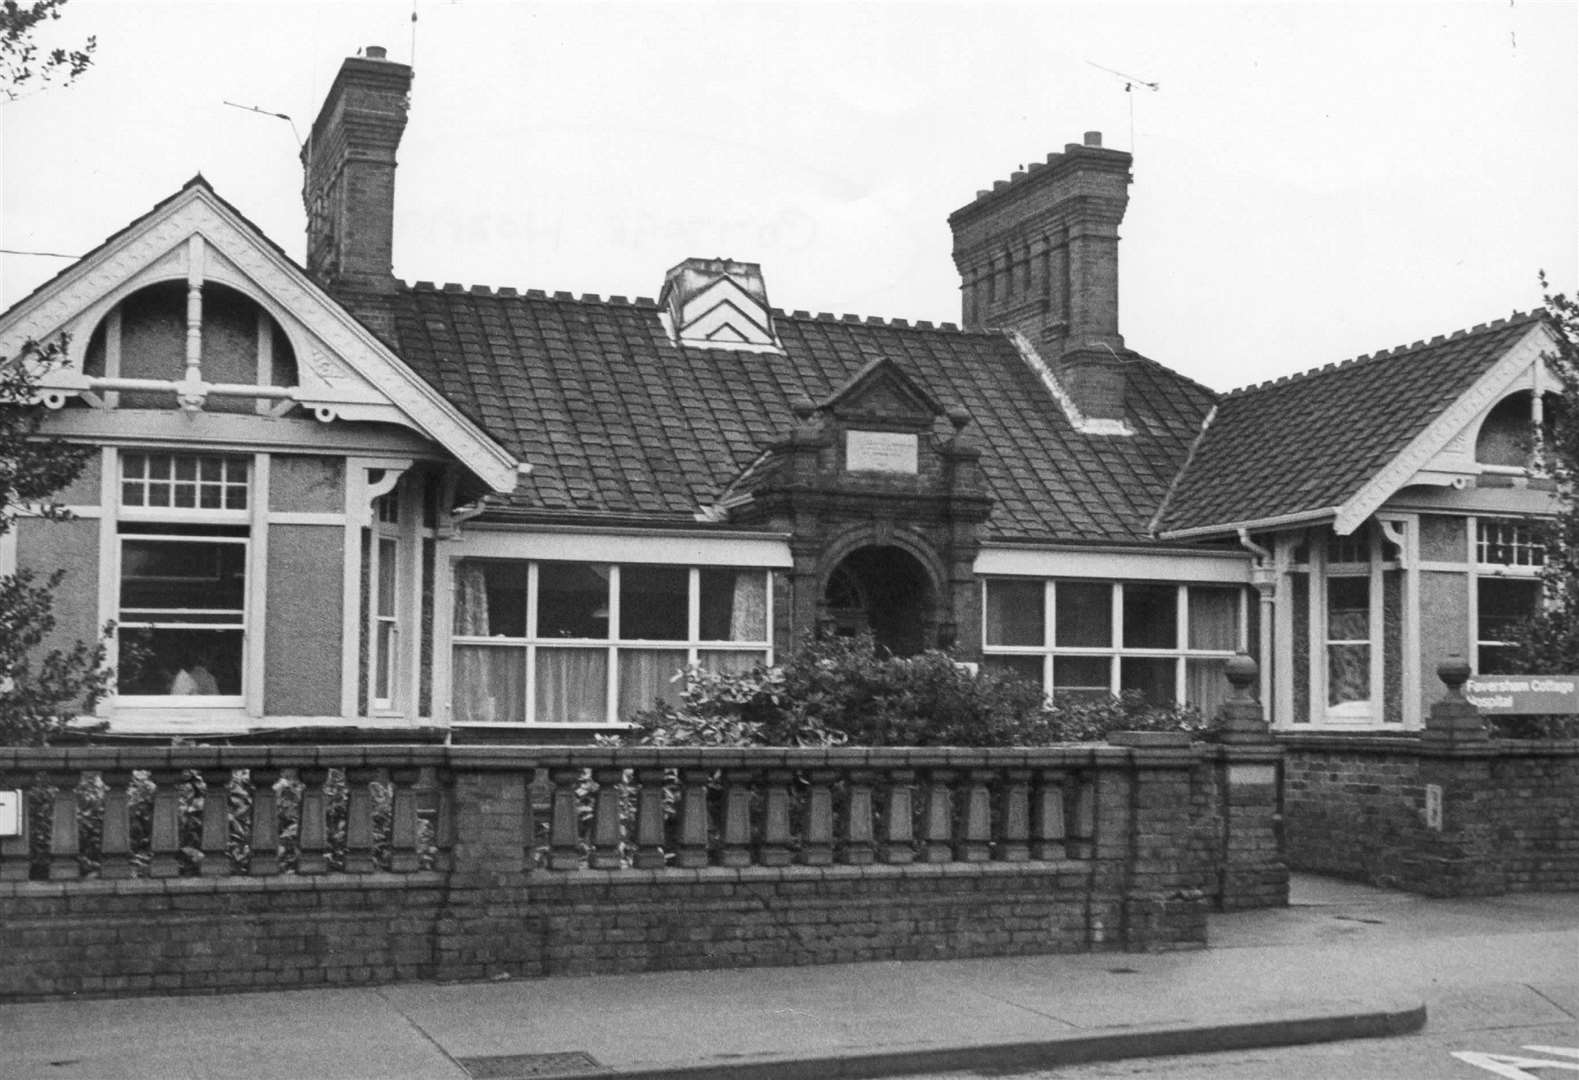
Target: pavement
{"x":1343,"y":961}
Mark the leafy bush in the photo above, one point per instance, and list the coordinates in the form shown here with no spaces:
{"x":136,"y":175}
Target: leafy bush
{"x":844,"y":691}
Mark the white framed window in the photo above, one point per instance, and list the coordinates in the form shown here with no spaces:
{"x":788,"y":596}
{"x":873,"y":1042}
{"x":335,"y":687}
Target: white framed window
{"x":384,"y":601}
{"x":558,"y":642}
{"x":1506,"y":586}
{"x":1351,"y":613}
{"x":182,"y":550}
{"x":1095,"y":639}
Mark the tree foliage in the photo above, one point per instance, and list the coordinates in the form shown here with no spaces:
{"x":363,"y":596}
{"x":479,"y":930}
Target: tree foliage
{"x":1549,"y":642}
{"x":845,"y":691}
{"x":25,"y":62}
{"x":41,"y":687}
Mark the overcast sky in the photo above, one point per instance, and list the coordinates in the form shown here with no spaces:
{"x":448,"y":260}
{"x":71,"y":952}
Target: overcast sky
{"x":1312,"y":180}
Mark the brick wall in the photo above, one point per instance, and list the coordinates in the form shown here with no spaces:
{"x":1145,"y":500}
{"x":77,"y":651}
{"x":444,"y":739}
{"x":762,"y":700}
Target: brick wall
{"x":1357,"y":808}
{"x":1058,"y":850}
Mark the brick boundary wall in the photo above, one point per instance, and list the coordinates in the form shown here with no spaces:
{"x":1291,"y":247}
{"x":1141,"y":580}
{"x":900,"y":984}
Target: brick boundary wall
{"x":1158,"y":832}
{"x":1356,"y":807}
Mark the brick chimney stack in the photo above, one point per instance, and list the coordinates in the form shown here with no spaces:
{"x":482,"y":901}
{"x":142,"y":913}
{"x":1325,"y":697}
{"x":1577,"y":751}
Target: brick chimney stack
{"x":348,"y":185}
{"x":1039,"y":254}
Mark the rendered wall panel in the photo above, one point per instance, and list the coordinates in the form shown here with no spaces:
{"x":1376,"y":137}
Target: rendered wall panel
{"x":47,"y":546}
{"x":302,"y":483}
{"x":1444,"y":627}
{"x":302,"y":677}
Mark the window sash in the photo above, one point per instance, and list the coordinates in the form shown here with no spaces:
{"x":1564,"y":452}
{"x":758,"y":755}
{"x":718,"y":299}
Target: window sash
{"x":1104,"y":602}
{"x":549,"y":663}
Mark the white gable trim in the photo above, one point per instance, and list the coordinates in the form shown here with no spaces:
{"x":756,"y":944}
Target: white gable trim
{"x":1502,"y":377}
{"x":347,"y":372}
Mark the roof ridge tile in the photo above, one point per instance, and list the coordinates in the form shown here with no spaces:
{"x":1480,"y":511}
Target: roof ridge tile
{"x":1380,"y":354}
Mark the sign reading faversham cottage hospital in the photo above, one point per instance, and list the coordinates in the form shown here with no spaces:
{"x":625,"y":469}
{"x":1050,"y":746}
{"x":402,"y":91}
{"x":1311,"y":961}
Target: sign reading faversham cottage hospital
{"x":1515,"y":695}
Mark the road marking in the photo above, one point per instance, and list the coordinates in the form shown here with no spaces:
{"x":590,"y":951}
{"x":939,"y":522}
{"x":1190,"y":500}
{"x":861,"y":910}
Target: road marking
{"x":1513,"y":1068}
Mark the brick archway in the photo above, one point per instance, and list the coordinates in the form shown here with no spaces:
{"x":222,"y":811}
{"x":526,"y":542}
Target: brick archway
{"x":888,"y":584}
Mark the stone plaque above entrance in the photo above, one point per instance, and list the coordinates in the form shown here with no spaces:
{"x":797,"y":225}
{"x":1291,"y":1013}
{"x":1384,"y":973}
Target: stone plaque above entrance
{"x":881,"y":451}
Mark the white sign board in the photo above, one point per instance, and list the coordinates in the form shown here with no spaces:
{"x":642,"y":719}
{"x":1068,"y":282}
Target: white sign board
{"x":10,"y":813}
{"x":881,"y":451}
{"x":1433,"y":807}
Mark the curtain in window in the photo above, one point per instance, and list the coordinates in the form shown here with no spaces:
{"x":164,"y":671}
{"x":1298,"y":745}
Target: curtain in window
{"x":748,"y":615}
{"x":647,"y":675}
{"x":1214,"y":618}
{"x":1205,"y":685}
{"x":572,"y":686}
{"x":486,"y":689}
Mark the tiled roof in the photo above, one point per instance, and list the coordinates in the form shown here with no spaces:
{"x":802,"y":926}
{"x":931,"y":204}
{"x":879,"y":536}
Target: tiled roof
{"x":1309,"y":442}
{"x":616,"y":420}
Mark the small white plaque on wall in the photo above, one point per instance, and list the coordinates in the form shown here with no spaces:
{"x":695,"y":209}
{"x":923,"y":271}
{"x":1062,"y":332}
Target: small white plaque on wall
{"x":881,"y":451}
{"x":1433,"y":807}
{"x":10,"y":813}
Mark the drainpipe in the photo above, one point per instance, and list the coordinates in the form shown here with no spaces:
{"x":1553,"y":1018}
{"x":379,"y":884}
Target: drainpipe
{"x":1263,"y":575}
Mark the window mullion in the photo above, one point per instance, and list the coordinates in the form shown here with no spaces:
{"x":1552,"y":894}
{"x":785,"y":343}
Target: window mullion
{"x":531,"y":637}
{"x":616,"y":633}
{"x":1116,"y":640}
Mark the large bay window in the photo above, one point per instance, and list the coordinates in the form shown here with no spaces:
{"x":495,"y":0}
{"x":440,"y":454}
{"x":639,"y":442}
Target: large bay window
{"x":552,"y":642}
{"x":1508,"y":560}
{"x":1094,"y":639}
{"x":182,"y":539}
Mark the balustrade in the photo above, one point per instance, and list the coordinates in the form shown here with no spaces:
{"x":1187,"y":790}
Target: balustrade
{"x":172,"y":813}
{"x":262,"y":812}
{"x":812,"y":808}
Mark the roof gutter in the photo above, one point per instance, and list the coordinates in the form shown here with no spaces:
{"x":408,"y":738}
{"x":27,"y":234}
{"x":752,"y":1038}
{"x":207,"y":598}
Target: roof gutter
{"x":1233,"y":528}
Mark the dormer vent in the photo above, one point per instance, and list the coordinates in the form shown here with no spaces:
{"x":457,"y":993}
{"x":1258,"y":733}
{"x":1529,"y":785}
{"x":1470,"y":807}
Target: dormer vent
{"x":718,"y":304}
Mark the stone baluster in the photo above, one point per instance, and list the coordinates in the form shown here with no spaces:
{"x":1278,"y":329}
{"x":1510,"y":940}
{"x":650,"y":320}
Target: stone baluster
{"x":860,"y":846}
{"x":694,"y":825}
{"x":14,"y":849}
{"x":975,"y":840}
{"x":265,"y":833}
{"x":359,"y":857}
{"x":649,"y":818}
{"x":776,"y":834}
{"x":443,"y":803}
{"x":215,"y":819}
{"x":817,"y":831}
{"x":165,"y":829}
{"x":1049,"y":837}
{"x":937,"y":825}
{"x":1014,"y":844}
{"x":115,"y":839}
{"x":735,"y":849}
{"x":63,"y":864}
{"x":1082,"y":837}
{"x":312,"y":837}
{"x":564,"y":818}
{"x":404,"y":858}
{"x":605,"y":853}
{"x":898,"y":840}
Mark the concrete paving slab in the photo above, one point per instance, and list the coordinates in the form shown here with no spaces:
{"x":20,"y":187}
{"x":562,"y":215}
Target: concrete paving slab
{"x":1354,"y":964}
{"x":333,"y":1034}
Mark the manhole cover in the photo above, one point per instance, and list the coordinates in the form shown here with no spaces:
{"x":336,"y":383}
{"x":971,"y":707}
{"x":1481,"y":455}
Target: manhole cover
{"x":520,"y":1066}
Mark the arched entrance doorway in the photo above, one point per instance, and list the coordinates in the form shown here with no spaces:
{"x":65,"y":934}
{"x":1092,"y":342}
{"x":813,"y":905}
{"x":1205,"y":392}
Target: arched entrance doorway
{"x":886,"y":590}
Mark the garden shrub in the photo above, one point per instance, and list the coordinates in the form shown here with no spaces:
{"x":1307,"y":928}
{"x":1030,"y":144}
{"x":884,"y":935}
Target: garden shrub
{"x":845,"y":691}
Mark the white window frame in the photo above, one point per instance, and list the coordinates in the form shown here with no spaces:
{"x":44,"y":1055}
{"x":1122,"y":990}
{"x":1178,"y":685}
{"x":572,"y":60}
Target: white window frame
{"x":1372,"y":711}
{"x":1480,"y":567}
{"x":252,"y":555}
{"x":530,"y":644}
{"x":383,"y":664}
{"x":1115,"y":652}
